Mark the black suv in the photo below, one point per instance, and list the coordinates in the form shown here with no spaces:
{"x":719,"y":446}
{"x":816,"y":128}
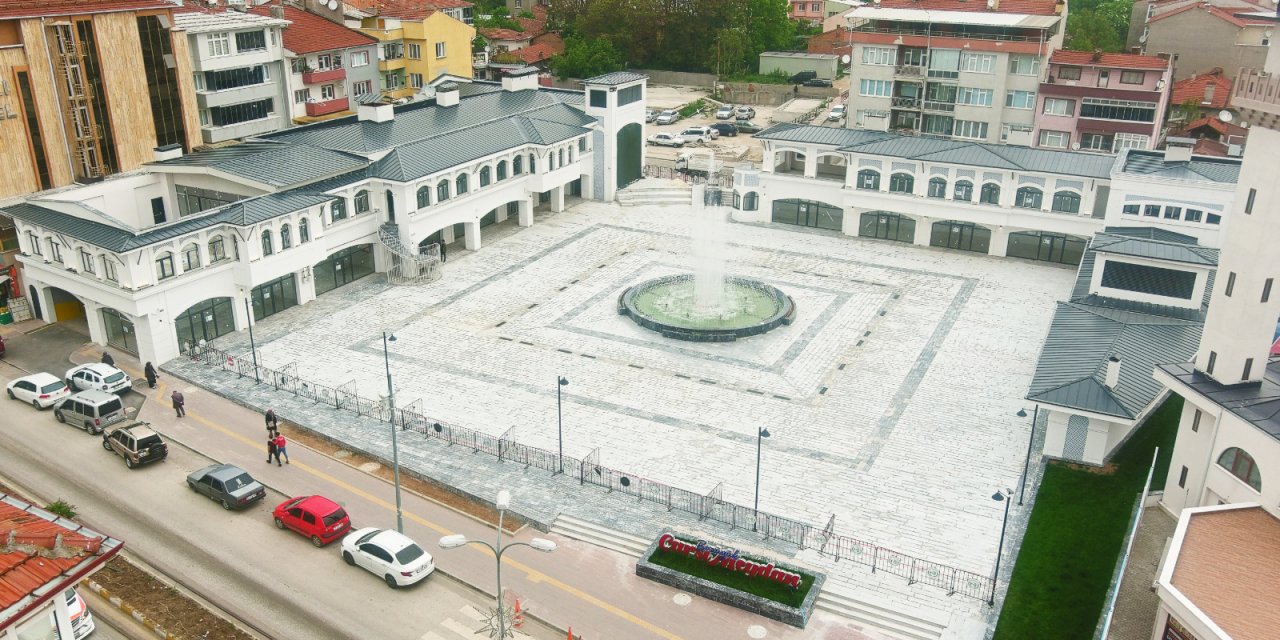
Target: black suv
{"x":817,"y":82}
{"x":803,"y":76}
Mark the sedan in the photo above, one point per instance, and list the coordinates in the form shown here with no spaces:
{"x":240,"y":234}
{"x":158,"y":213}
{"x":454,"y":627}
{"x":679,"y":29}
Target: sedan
{"x":745,"y":113}
{"x":316,"y":517}
{"x":226,"y":484}
{"x":650,"y":115}
{"x":837,"y":113}
{"x":725,"y":129}
{"x":747,"y":126}
{"x":668,"y":116}
{"x":98,"y":377}
{"x":42,"y":390}
{"x":666,"y":140}
{"x":725,"y":112}
{"x":383,"y":552}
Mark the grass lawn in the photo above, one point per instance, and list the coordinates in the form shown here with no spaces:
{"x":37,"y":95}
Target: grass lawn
{"x":758,"y":585}
{"x":1076,"y":535}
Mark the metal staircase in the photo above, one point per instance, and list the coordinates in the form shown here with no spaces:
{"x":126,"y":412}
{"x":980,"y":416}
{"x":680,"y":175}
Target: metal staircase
{"x":77,"y":112}
{"x":406,"y":266}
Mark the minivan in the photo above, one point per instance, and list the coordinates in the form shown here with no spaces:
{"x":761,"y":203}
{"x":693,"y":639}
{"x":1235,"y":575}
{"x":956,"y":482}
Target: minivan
{"x":90,"y":410}
{"x":698,"y":134}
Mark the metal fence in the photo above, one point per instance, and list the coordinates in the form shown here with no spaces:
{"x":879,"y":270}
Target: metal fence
{"x":709,"y":506}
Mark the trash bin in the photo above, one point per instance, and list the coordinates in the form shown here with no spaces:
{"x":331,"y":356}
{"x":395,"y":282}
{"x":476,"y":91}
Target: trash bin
{"x":5,"y":316}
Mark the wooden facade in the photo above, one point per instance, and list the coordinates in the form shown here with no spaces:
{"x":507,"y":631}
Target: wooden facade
{"x":187,"y":88}
{"x":128,"y":102}
{"x":17,"y":164}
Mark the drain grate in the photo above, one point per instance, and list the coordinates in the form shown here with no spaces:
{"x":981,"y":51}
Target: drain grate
{"x":755,"y":391}
{"x":882,"y":312}
{"x":506,"y":338}
{"x":841,"y":367}
{"x":536,"y":304}
{"x":781,"y":397}
{"x":635,"y":366}
{"x":866,"y":333}
{"x":706,"y":381}
{"x":564,"y":351}
{"x":681,"y":375}
{"x":587,"y":355}
{"x":526,"y":342}
{"x":822,"y":391}
{"x":500,"y":324}
{"x":859,"y":344}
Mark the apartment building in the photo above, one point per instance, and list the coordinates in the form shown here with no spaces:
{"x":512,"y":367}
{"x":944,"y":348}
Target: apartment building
{"x":240,"y":78}
{"x":88,"y":90}
{"x":1199,"y":36}
{"x":419,"y":42}
{"x":1104,"y":102}
{"x":951,"y":68}
{"x":330,"y":65}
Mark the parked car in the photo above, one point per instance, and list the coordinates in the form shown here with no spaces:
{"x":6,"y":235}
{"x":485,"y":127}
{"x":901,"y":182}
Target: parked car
{"x":91,"y":410}
{"x":747,"y":126}
{"x":725,"y":129}
{"x":226,"y":484}
{"x":817,"y":82}
{"x":81,"y":620}
{"x":1,"y":346}
{"x":837,"y":113}
{"x":136,"y":443}
{"x":99,"y":377}
{"x":42,"y":390}
{"x":803,"y":76}
{"x":650,"y":115}
{"x":668,"y":116}
{"x":666,"y":140}
{"x":316,"y":517}
{"x":697,"y":134}
{"x":725,"y":112}
{"x":745,"y":113}
{"x":399,"y":560}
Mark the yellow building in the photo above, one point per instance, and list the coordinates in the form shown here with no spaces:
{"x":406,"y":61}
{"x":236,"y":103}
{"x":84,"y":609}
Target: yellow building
{"x":419,"y":42}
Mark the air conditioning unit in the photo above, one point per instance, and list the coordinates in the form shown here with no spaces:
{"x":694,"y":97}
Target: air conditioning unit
{"x":1049,"y":80}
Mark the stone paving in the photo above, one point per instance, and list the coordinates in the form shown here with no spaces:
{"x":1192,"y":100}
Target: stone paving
{"x":890,"y":401}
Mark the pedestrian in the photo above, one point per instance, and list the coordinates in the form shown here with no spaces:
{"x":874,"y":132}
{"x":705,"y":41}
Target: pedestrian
{"x":282,"y":448}
{"x":273,"y":423}
{"x":443,"y":257}
{"x":108,"y":360}
{"x":150,"y":372}
{"x":179,"y":403}
{"x":273,"y":451}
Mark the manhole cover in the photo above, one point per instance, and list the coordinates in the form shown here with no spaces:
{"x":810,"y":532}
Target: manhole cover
{"x":342,"y":454}
{"x":682,"y":599}
{"x":370,"y":467}
{"x":757,"y":631}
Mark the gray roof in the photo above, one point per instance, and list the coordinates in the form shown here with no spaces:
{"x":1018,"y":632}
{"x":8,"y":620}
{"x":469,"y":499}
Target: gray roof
{"x":1155,"y":249}
{"x":1200,"y":168}
{"x":995,"y":156}
{"x":274,"y":163}
{"x":1258,"y":404}
{"x":799,"y":54}
{"x":1080,"y":292}
{"x":1151,"y":233}
{"x":616,"y":78}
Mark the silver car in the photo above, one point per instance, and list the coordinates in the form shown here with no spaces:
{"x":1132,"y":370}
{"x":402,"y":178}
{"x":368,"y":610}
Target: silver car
{"x":668,"y":116}
{"x":725,"y":112}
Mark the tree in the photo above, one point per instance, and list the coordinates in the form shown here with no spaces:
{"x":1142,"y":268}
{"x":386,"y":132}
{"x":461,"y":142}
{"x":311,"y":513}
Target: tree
{"x":1089,"y":31}
{"x":584,"y":58}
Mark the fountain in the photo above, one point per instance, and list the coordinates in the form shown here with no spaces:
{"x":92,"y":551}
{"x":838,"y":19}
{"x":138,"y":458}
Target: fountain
{"x":707,"y":305}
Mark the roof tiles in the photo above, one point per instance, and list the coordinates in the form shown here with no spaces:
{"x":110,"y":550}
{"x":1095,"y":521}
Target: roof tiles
{"x":1025,"y":7}
{"x":1114,"y":60}
{"x":1194,"y":89}
{"x":310,"y":33}
{"x":35,"y":9}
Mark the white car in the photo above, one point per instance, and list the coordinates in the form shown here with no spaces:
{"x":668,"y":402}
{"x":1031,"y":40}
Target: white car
{"x":668,"y":116}
{"x":666,"y":140}
{"x":99,"y":377}
{"x":725,"y":112}
{"x":42,"y":390}
{"x":837,"y":113}
{"x":650,"y":115}
{"x":699,"y":134}
{"x":399,"y":560}
{"x":81,"y":620}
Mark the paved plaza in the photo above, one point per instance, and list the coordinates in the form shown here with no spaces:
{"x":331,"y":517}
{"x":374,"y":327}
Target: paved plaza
{"x":890,"y":400}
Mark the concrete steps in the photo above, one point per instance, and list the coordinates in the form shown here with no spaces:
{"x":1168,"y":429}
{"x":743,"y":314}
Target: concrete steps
{"x":601,"y":536}
{"x":633,"y":196}
{"x":893,"y":623}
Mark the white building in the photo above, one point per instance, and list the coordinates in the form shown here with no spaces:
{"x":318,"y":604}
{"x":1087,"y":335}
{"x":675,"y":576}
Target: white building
{"x":174,"y":254}
{"x":1173,"y":190}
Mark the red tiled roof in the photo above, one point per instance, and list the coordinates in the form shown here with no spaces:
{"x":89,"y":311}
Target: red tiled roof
{"x":1193,"y":88}
{"x":310,"y":33}
{"x":552,"y":39}
{"x":407,"y":9}
{"x":1215,"y":124}
{"x":37,"y":8}
{"x":1025,"y":7}
{"x":537,"y":24}
{"x":535,"y":53}
{"x":504,"y":34}
{"x":1207,"y":147}
{"x":1114,"y":60}
{"x":1221,"y":14}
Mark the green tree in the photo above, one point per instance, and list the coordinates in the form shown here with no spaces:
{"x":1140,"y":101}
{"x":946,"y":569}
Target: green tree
{"x":1089,"y":31}
{"x":584,"y":58}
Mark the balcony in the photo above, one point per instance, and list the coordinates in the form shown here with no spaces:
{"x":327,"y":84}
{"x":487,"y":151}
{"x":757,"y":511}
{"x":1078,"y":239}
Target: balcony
{"x":326,"y":107}
{"x":480,"y":59}
{"x":876,"y":27}
{"x":394,"y":64}
{"x":904,"y":102}
{"x":937,"y":105}
{"x":948,"y":76}
{"x":1258,"y":92}
{"x":316,"y":76}
{"x":909,"y":71}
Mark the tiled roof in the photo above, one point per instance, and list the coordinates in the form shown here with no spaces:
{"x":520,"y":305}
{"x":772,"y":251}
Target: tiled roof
{"x":1226,"y":569}
{"x":1258,"y":404}
{"x":310,"y":33}
{"x":1193,"y":88}
{"x":407,"y":9}
{"x":535,"y":53}
{"x":1214,"y":124}
{"x":1025,"y":7}
{"x":1152,"y":163}
{"x":196,"y":19}
{"x":616,"y":78}
{"x":1226,"y":16}
{"x":48,"y":8}
{"x":504,"y":34}
{"x":1209,"y":147}
{"x":1113,"y":60}
{"x":538,"y":23}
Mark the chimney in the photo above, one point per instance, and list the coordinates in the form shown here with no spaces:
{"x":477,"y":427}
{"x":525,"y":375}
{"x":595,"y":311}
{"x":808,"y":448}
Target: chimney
{"x":1178,"y":149}
{"x":520,"y":79}
{"x":1209,"y":89}
{"x":447,"y":94}
{"x":168,"y":152}
{"x":277,"y":11}
{"x":375,"y":113}
{"x":1113,"y":372}
{"x":1059,"y":7}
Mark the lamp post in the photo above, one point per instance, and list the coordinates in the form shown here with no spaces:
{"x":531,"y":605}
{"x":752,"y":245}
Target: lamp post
{"x":761,"y":434}
{"x":1026,"y":465}
{"x":395,"y":447}
{"x":1000,"y":496}
{"x":253,"y":348}
{"x":560,"y":382}
{"x":540,"y":544}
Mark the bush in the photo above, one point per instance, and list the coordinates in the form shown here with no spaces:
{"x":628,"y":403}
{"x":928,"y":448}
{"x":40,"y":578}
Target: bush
{"x":757,"y":586}
{"x":692,"y":108}
{"x":62,"y":508}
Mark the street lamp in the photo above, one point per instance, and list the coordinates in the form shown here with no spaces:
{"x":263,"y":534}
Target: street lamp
{"x":540,"y":544}
{"x":560,"y":382}
{"x":252,"y":346}
{"x":761,"y":434}
{"x":1026,"y":465}
{"x":1000,"y":496}
{"x":395,"y":447}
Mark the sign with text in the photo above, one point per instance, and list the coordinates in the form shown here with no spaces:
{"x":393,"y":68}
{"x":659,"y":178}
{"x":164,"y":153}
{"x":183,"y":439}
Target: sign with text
{"x":728,"y":558}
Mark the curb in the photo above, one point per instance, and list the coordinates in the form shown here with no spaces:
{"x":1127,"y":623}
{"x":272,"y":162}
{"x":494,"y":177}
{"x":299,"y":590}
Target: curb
{"x":128,"y":609}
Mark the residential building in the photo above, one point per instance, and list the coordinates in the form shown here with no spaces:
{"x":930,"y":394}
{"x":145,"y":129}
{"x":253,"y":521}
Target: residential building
{"x":41,"y":562}
{"x":836,"y":42}
{"x":515,"y":7}
{"x":240,"y":77}
{"x":952,"y":68}
{"x":170,"y":256}
{"x":811,"y":11}
{"x":1200,"y":95}
{"x":1173,"y":190}
{"x":1200,"y":35}
{"x":1142,"y":10}
{"x":1104,"y":102}
{"x":88,"y":90}
{"x":330,"y":65}
{"x":419,"y":42}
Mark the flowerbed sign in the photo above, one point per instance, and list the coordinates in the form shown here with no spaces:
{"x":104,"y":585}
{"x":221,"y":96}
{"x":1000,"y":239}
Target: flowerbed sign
{"x":729,"y":559}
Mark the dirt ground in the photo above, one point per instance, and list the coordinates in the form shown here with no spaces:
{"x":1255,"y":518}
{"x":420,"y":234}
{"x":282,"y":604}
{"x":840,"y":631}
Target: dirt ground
{"x":166,"y":606}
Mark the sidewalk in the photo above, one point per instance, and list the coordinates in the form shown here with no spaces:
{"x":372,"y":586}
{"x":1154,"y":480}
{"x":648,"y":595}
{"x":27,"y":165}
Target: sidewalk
{"x":588,"y":588}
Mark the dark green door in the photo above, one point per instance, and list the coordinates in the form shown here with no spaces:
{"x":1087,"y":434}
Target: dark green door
{"x":630,"y":153}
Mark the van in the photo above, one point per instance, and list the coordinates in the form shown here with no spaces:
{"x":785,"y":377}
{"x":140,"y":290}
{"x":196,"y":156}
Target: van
{"x":90,"y":410}
{"x":698,"y":134}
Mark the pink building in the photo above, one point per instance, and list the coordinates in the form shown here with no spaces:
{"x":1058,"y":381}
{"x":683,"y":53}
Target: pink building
{"x":1102,"y":102}
{"x":812,"y":11}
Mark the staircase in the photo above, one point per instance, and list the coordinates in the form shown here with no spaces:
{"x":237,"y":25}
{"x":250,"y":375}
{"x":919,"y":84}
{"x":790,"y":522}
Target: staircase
{"x":892,"y":623}
{"x":601,"y":536}
{"x":408,"y":267}
{"x":654,"y":191}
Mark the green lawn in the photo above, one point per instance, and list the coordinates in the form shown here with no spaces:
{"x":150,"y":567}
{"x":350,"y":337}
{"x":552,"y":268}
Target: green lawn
{"x":1076,"y":535}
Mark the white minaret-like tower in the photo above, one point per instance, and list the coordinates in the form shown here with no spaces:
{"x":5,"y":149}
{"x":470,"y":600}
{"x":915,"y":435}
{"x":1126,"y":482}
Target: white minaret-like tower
{"x":616,"y":101}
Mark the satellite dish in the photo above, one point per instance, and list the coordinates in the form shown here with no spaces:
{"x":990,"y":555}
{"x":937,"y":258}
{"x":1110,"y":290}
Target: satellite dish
{"x":1244,"y":125}
{"x":1159,"y":85}
{"x":1142,"y":39}
{"x":1267,"y":33}
{"x":1075,"y":146}
{"x":1225,"y":115}
{"x":991,"y":4}
{"x":844,"y":59}
{"x":333,"y":5}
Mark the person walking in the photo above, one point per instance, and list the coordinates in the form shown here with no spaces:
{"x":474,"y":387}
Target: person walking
{"x":273,"y":451}
{"x":150,"y":372}
{"x":443,"y":253}
{"x":108,"y":360}
{"x":281,"y":448}
{"x":273,"y":423}
{"x":179,"y":403}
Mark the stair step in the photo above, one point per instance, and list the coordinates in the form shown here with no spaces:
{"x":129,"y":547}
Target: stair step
{"x":600,"y":536}
{"x":895,"y":623}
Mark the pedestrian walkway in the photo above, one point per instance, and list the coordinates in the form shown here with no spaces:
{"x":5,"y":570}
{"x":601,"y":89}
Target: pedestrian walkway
{"x":1137,"y":602}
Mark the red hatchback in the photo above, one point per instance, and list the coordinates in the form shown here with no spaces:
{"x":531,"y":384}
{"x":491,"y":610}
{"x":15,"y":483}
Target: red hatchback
{"x":315,"y":517}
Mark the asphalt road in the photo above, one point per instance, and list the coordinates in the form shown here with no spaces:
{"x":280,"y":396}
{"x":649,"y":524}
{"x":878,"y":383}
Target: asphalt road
{"x":47,"y":349}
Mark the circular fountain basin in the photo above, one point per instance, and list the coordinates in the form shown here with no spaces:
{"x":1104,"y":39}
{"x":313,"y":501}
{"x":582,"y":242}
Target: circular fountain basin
{"x":667,"y":305}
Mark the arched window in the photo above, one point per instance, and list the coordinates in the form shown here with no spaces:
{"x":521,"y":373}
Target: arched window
{"x":190,"y":257}
{"x":963,"y":191}
{"x":517,"y":165}
{"x":286,"y":237}
{"x":502,"y":170}
{"x":217,"y":249}
{"x":561,"y":161}
{"x":1028,"y":198}
{"x":737,"y":200}
{"x":1066,"y":202}
{"x":937,"y":187}
{"x":751,"y":202}
{"x":485,"y":176}
{"x":868,"y":179}
{"x":990,"y":193}
{"x":339,"y":209}
{"x":304,"y":231}
{"x":533,"y":163}
{"x":424,"y":196}
{"x":362,"y":202}
{"x":267,"y":248}
{"x":442,"y":191}
{"x":164,"y":266}
{"x":460,"y":184}
{"x":1242,"y":466}
{"x":902,"y":183}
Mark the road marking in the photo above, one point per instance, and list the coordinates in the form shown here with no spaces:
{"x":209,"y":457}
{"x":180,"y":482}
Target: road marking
{"x":459,"y":628}
{"x":430,"y":635}
{"x":473,"y":613}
